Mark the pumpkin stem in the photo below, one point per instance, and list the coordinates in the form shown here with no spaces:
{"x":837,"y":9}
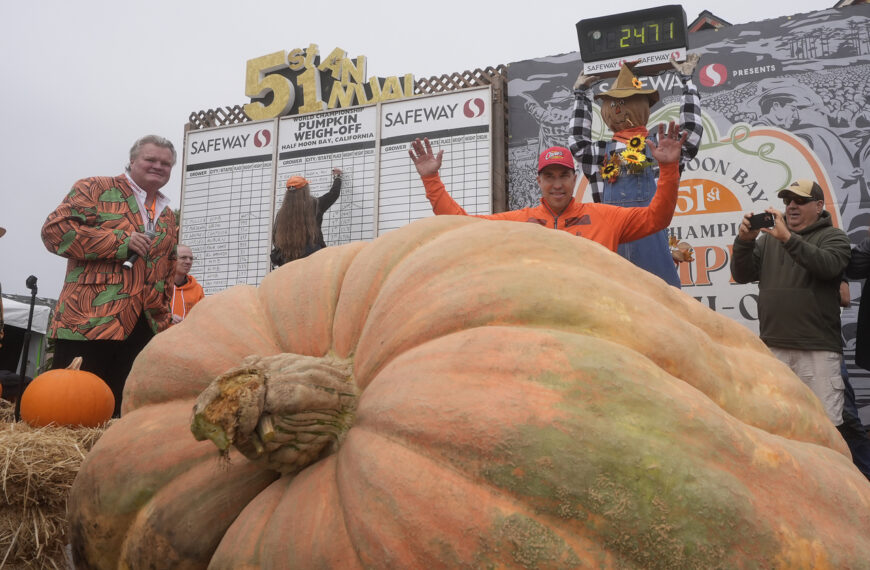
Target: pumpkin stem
{"x":286,"y":411}
{"x":76,"y":363}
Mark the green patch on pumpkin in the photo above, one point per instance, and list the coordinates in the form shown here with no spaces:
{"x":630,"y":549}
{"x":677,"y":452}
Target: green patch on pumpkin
{"x":531,"y":544}
{"x":616,"y":461}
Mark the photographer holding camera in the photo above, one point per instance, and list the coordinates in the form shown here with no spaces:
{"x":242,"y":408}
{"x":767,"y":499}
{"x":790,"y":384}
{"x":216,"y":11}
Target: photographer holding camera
{"x":798,"y":263}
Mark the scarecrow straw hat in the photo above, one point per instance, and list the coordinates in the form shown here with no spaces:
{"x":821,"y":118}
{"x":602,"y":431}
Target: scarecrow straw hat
{"x":627,"y":85}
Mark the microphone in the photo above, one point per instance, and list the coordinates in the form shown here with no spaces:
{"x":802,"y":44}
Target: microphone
{"x":132,"y":259}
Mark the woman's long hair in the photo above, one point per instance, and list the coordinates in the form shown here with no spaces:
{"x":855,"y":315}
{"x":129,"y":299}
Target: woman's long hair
{"x":295,"y":226}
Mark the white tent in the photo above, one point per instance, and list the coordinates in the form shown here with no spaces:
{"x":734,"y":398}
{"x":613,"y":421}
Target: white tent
{"x":16,"y":314}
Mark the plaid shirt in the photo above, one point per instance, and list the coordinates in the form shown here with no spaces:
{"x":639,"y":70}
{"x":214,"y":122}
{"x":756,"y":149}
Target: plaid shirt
{"x":591,"y":154}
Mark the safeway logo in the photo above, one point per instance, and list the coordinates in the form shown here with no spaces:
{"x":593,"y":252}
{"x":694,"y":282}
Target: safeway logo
{"x":474,"y":107}
{"x":713,"y":75}
{"x":262,"y":138}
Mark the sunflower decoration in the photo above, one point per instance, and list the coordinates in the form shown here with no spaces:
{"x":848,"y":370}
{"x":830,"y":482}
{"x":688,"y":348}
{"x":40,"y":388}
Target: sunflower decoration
{"x":636,"y":143}
{"x":610,"y":172}
{"x":635,"y":161}
{"x":633,"y":157}
{"x":636,"y":82}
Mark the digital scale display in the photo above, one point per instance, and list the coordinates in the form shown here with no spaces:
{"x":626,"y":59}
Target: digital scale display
{"x":653,"y":37}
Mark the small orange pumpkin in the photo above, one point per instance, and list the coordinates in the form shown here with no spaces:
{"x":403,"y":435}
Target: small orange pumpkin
{"x":67,"y":397}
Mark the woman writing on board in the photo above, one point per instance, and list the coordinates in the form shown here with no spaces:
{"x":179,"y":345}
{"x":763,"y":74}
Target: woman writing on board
{"x":297,"y":232}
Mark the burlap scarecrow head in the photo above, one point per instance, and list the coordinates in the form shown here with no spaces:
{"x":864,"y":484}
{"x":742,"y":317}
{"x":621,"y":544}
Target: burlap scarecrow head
{"x":626,"y":104}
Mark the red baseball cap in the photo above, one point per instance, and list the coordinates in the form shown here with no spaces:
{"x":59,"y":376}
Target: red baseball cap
{"x":555,"y":155}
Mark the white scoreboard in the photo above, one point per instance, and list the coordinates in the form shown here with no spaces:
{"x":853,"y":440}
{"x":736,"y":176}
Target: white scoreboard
{"x":234,"y":176}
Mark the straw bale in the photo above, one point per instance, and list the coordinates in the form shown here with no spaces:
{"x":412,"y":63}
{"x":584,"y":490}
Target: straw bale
{"x":37,"y":468}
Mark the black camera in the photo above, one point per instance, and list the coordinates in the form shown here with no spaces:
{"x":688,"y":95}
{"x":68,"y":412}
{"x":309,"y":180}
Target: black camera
{"x":762,"y":220}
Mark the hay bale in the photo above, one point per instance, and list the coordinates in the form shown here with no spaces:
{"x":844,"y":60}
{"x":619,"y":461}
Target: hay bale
{"x":38,"y":466}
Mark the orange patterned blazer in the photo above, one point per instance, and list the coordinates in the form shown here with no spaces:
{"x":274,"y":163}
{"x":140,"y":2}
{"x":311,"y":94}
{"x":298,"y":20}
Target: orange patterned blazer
{"x":100,"y":300}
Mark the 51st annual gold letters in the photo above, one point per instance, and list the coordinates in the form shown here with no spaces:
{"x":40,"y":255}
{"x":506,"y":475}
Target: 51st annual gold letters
{"x":348,"y":85}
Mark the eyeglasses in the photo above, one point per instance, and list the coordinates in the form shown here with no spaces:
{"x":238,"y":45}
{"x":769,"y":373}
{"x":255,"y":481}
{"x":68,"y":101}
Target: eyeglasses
{"x":799,"y":200}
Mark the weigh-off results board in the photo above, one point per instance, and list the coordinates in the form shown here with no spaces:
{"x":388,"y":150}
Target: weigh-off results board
{"x":312,"y":145}
{"x":235,"y":176}
{"x":226,"y":206}
{"x":458,"y":124}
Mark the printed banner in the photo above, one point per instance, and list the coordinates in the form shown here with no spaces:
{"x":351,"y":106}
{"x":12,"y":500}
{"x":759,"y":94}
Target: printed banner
{"x":782,"y":99}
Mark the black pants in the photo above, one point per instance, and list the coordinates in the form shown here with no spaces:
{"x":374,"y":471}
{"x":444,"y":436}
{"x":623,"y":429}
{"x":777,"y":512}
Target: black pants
{"x":111,"y":360}
{"x":853,"y":431}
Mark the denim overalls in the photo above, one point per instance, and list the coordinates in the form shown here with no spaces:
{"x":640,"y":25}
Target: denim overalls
{"x":629,"y":190}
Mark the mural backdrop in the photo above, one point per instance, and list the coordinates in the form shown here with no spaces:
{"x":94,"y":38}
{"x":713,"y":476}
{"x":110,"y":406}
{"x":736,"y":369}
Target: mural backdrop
{"x":782,"y":99}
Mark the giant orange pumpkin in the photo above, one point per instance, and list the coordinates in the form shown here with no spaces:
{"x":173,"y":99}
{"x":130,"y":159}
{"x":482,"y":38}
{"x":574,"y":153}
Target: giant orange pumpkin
{"x":479,"y":394}
{"x":67,"y":397}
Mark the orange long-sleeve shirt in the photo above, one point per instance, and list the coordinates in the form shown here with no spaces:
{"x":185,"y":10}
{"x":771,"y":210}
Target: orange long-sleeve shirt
{"x":606,"y":224}
{"x":184,"y":297}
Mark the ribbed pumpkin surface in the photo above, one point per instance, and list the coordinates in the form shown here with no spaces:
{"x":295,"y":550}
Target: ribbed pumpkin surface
{"x":527,"y":399}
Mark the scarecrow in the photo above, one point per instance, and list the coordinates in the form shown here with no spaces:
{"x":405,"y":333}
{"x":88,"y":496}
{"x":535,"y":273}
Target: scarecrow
{"x":621,"y":171}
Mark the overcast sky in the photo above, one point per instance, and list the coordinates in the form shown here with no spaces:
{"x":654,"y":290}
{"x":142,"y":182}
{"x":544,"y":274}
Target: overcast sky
{"x":83,"y":79}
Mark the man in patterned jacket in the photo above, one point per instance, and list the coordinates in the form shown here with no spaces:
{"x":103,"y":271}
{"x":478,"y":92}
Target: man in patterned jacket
{"x":107,"y":312}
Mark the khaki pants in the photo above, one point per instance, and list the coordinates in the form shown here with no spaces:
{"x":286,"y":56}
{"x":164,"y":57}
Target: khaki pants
{"x":820,"y":370}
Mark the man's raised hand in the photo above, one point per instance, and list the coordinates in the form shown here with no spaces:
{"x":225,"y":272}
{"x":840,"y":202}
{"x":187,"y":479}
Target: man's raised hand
{"x":426,"y":162}
{"x":670,"y":144}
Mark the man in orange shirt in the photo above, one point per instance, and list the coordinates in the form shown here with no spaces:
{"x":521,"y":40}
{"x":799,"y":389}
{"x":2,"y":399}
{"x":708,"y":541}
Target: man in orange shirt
{"x":186,"y":292}
{"x":608,"y":225}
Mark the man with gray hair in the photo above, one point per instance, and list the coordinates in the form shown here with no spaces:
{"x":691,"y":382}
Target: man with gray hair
{"x":119,"y":236}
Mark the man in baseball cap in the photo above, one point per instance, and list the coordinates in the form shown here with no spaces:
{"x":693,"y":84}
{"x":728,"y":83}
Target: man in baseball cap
{"x":804,"y":203}
{"x":607,"y":224}
{"x":798,"y":264}
{"x":803,"y":188}
{"x":555,"y":155}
